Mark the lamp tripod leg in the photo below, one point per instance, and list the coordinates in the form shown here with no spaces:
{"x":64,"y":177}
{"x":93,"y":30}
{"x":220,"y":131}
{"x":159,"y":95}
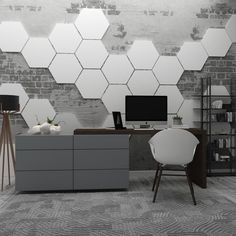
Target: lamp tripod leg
{"x":3,"y":134}
{"x":11,"y":144}
{"x":8,"y":154}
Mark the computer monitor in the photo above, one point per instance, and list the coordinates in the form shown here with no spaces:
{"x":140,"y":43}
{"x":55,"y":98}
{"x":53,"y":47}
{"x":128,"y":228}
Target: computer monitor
{"x":146,"y":110}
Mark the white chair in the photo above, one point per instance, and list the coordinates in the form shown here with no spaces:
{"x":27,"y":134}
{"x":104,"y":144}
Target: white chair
{"x":173,"y":147}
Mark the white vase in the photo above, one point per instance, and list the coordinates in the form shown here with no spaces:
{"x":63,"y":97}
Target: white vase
{"x":45,"y":128}
{"x":55,"y":129}
{"x":35,"y":129}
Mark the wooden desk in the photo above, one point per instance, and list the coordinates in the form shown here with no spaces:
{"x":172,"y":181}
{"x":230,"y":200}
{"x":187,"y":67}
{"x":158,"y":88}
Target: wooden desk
{"x":197,"y":167}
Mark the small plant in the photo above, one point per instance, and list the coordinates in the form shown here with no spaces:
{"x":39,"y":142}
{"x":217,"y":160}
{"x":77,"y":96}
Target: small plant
{"x":177,"y":120}
{"x":177,"y":117}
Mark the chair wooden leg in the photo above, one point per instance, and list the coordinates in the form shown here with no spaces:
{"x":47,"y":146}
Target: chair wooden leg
{"x":158,"y":182}
{"x":155,"y":178}
{"x":190,"y":186}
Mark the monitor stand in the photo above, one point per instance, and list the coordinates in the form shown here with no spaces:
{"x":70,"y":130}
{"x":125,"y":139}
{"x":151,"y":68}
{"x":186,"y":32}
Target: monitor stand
{"x":145,"y":127}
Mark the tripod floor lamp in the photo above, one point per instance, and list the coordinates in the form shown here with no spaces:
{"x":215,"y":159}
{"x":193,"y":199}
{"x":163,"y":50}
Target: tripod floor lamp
{"x":9,"y":104}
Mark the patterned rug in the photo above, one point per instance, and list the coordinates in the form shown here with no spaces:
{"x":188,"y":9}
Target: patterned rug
{"x":124,"y":212}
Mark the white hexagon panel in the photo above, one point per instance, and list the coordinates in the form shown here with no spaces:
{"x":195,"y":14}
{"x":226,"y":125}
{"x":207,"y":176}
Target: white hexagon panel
{"x":68,"y":122}
{"x":65,"y":38}
{"x":143,"y":82}
{"x":192,"y":56}
{"x":65,"y":68}
{"x":189,"y":113}
{"x":38,"y":52}
{"x":216,"y":42}
{"x":114,"y":98}
{"x":117,"y":69}
{"x":13,"y":36}
{"x":91,"y":84}
{"x":92,"y":53}
{"x":37,"y":110}
{"x":92,"y":23}
{"x":175,"y":98}
{"x":168,"y":70}
{"x":143,"y":54}
{"x":231,"y":28}
{"x":15,"y":89}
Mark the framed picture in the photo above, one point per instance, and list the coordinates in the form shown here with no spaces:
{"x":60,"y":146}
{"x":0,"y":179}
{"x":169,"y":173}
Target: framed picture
{"x":117,"y":120}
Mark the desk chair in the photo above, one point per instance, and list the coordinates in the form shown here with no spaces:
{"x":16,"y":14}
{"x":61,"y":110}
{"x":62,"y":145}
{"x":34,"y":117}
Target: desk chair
{"x":173,"y":147}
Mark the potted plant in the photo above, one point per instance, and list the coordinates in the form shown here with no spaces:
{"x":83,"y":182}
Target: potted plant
{"x":177,"y":120}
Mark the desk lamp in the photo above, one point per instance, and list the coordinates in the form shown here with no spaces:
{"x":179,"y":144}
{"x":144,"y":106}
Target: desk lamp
{"x":9,"y":104}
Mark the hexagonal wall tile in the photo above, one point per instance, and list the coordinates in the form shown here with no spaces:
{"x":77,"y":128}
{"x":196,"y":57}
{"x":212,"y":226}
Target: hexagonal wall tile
{"x":13,"y":36}
{"x":15,"y":89}
{"x":117,"y":69}
{"x":65,"y":68}
{"x":216,"y":42}
{"x":192,"y":56}
{"x":231,"y":28}
{"x":91,"y":84}
{"x":143,"y":82}
{"x":37,"y":110}
{"x":168,"y":70}
{"x":114,"y":98}
{"x":38,"y":52}
{"x":92,"y":23}
{"x":175,"y":98}
{"x":92,"y":53}
{"x":190,"y":114}
{"x":67,"y":121}
{"x":143,"y":54}
{"x":65,"y":38}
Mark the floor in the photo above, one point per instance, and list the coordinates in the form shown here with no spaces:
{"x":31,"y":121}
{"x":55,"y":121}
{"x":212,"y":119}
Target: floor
{"x":124,"y":212}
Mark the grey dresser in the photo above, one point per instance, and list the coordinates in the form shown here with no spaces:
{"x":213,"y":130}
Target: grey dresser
{"x":101,"y":161}
{"x":72,"y":162}
{"x":44,"y":162}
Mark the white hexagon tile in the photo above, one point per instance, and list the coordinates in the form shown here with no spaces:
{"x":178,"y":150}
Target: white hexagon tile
{"x":175,"y":98}
{"x":37,"y":110}
{"x":65,"y":68}
{"x":143,"y":54}
{"x":192,"y":56}
{"x":92,"y":23}
{"x":117,"y":69}
{"x":190,"y":112}
{"x":15,"y":89}
{"x":216,"y":42}
{"x":91,"y":84}
{"x":168,"y":70}
{"x":13,"y":36}
{"x":38,"y":52}
{"x":114,"y":98}
{"x":143,"y":82}
{"x":65,"y":38}
{"x":67,"y":121}
{"x":92,"y":53}
{"x":231,"y":28}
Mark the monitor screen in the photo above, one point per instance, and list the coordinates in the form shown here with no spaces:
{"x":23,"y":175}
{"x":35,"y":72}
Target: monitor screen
{"x":145,"y":109}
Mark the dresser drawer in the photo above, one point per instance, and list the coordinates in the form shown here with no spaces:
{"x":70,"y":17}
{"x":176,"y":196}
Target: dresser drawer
{"x":101,"y":179}
{"x":101,"y":159}
{"x":107,"y":141}
{"x":44,"y":180}
{"x":44,"y":160}
{"x":32,"y":142}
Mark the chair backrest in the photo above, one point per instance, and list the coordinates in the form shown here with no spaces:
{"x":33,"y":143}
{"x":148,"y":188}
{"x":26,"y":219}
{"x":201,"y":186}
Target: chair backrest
{"x":173,"y":146}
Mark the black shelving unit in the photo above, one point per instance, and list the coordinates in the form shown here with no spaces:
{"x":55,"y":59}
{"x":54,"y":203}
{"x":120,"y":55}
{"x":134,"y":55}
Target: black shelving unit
{"x":221,"y":148}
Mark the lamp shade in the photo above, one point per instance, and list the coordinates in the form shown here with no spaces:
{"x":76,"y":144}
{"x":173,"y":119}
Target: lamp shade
{"x":9,"y":103}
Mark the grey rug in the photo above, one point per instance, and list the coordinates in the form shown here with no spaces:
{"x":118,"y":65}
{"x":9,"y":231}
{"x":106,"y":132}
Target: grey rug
{"x":124,"y":212}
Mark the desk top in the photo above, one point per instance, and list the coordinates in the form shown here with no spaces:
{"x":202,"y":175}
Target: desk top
{"x":128,"y":131}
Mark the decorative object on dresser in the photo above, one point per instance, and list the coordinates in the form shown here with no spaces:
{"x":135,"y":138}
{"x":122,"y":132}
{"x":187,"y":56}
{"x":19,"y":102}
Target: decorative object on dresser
{"x":9,"y":104}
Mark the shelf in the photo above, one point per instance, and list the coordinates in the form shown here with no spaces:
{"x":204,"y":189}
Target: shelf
{"x":221,"y":134}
